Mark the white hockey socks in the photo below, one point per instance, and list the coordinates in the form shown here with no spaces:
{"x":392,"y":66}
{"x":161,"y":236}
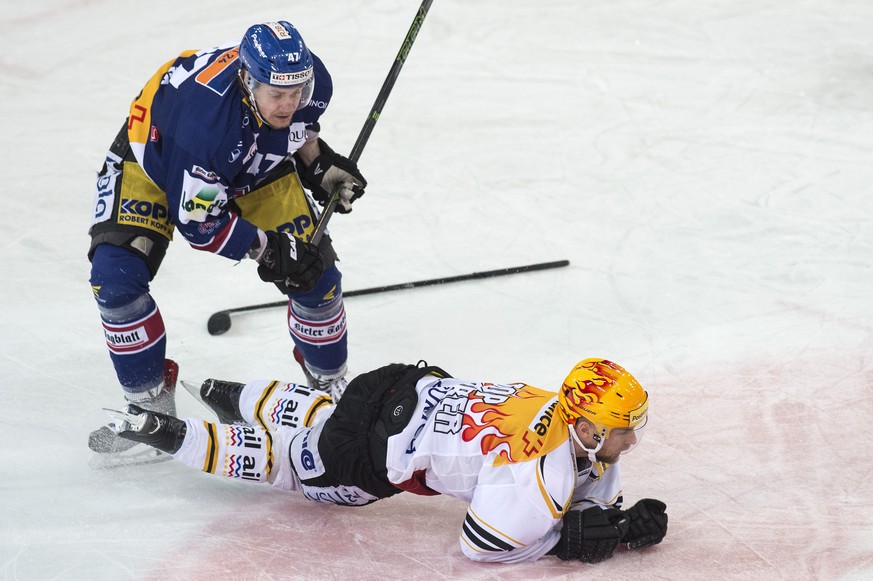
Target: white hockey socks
{"x":271,"y":404}
{"x":246,"y":452}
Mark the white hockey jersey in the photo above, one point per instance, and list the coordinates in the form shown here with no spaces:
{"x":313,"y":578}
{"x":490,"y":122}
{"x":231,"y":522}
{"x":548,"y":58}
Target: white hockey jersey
{"x":496,"y":447}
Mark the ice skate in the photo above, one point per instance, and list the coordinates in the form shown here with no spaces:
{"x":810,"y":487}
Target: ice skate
{"x":222,"y":397}
{"x":335,"y":387}
{"x":117,"y":451}
{"x":332,"y":385}
{"x":141,"y":426}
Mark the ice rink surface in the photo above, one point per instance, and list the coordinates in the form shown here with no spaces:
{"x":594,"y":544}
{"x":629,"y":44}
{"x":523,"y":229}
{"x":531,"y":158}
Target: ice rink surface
{"x":705,"y":166}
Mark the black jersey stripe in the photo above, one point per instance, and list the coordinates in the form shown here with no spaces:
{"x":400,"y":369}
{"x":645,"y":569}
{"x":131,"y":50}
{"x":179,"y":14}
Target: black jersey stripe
{"x":482,"y":538}
{"x":477,"y":542}
{"x":558,"y":507}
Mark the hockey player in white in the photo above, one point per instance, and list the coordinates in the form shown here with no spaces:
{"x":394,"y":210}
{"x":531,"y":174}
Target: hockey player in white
{"x":540,"y":470}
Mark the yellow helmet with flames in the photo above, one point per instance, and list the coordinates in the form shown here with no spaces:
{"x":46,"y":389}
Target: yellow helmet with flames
{"x":605,"y":394}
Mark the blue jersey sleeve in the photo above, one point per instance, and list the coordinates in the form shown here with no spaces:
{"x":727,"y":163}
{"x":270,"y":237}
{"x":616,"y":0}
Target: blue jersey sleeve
{"x":199,"y":189}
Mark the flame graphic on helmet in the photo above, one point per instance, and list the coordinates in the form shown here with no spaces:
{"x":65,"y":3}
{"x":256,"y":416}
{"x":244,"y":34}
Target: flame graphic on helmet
{"x":517,"y":428}
{"x":604,"y":393}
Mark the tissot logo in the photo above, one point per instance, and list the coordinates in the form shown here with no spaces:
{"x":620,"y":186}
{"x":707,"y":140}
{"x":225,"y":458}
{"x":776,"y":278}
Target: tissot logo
{"x":290,"y":78}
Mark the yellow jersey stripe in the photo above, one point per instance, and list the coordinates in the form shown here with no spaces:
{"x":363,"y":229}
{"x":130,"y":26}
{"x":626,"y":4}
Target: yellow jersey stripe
{"x":211,"y":448}
{"x":259,"y":410}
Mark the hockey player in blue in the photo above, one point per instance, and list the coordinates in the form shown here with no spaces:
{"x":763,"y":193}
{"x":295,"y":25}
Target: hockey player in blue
{"x":217,"y":147}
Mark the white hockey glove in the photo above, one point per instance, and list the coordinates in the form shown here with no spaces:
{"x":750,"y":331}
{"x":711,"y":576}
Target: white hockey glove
{"x":329,"y":170}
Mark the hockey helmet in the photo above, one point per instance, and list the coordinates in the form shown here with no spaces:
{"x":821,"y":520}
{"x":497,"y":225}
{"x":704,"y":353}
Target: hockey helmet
{"x":273,"y":53}
{"x":605,"y":394}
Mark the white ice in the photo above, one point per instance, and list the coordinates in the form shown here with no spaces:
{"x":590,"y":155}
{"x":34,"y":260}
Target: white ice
{"x":705,"y":167}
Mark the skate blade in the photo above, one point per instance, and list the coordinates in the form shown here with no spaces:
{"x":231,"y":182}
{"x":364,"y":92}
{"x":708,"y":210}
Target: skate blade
{"x":194,"y":390}
{"x":139,"y":455}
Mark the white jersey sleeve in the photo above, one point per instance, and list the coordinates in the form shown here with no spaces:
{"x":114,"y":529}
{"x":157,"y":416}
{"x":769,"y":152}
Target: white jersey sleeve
{"x":516,"y":510}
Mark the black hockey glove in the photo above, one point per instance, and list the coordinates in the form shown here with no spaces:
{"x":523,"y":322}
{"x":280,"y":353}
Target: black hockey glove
{"x":327,"y":171}
{"x":290,"y":262}
{"x":648,"y":523}
{"x":590,"y":535}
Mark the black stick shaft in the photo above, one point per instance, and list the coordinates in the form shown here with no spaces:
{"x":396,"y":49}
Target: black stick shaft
{"x":375,"y":111}
{"x":393,"y":287}
{"x":458,"y":278}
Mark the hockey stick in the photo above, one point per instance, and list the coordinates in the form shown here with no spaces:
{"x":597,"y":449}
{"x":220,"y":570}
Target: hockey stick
{"x":219,"y":323}
{"x":375,"y":111}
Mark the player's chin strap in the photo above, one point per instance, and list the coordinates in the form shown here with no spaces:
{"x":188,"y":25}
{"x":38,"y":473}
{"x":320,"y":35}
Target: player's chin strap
{"x":592,"y":452}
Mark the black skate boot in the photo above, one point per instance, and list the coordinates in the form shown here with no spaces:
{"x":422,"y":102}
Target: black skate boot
{"x":161,"y":399}
{"x":222,"y":397}
{"x":161,"y":431}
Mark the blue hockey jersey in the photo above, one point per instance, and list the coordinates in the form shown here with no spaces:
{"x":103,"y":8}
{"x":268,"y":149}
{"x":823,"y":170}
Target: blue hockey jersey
{"x":198,"y":139}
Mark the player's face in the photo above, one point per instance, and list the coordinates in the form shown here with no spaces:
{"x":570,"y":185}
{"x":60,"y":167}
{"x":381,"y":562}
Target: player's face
{"x":278,"y":104}
{"x":618,"y":441}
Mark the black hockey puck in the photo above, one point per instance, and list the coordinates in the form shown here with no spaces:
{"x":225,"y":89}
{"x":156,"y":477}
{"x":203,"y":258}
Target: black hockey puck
{"x":218,"y":323}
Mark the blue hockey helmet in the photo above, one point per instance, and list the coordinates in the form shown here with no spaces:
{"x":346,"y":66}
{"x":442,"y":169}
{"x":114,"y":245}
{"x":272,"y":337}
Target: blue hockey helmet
{"x":273,"y":53}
